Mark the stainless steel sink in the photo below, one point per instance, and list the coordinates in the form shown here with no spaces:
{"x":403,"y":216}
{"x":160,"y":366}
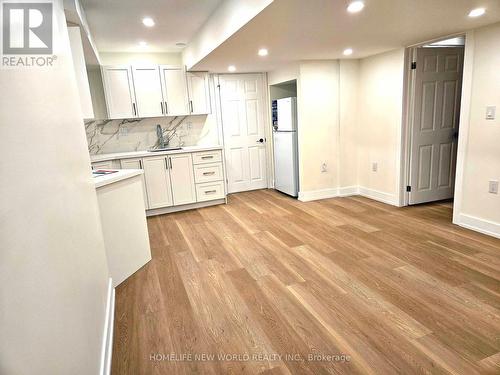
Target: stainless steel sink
{"x":165,"y":149}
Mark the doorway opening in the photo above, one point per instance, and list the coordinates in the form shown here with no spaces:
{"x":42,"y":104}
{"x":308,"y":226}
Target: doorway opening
{"x":434,"y":89}
{"x":283,"y":98}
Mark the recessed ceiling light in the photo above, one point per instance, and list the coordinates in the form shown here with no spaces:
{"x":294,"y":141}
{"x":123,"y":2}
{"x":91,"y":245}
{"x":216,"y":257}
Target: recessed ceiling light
{"x":355,"y":7}
{"x":263,"y":52}
{"x":477,"y":12}
{"x":148,"y":21}
{"x":143,"y":44}
{"x":348,"y":52}
{"x":231,"y":68}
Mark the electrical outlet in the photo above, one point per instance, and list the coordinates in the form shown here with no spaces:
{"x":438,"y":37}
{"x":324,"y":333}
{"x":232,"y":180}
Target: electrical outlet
{"x":324,"y":168}
{"x":374,"y":167}
{"x":493,"y":187}
{"x":123,"y":131}
{"x":491,"y":112}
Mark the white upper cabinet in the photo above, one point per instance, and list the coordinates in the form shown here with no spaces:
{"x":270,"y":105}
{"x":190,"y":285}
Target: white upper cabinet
{"x":173,"y":81}
{"x":199,"y":96}
{"x":154,"y":91}
{"x":119,"y":91}
{"x":148,"y":91}
{"x":182,"y":179}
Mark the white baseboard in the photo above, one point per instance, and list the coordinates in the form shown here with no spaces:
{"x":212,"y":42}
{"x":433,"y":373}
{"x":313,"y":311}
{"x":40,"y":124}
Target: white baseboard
{"x":378,"y":196}
{"x":348,"y":191}
{"x":107,"y":337}
{"x":314,"y":195}
{"x":490,"y":228}
{"x":184,"y":207}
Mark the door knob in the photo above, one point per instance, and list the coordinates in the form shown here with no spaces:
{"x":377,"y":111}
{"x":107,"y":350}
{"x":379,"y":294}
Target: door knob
{"x":260,"y":140}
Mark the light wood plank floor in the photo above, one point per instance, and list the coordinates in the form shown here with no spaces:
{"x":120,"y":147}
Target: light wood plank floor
{"x":270,"y":285}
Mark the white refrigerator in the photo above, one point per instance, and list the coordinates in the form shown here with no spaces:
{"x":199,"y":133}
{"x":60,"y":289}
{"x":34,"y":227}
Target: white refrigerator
{"x":286,"y":176}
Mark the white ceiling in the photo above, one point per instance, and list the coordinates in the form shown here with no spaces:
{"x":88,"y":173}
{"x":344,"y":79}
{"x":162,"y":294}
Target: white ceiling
{"x":116,"y":25}
{"x":321,"y":29}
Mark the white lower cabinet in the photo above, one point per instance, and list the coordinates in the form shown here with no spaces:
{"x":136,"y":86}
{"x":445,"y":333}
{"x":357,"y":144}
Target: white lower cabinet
{"x":176,"y":179}
{"x":158,"y":187}
{"x":182,"y":179}
{"x":209,"y":191}
{"x":136,"y":164}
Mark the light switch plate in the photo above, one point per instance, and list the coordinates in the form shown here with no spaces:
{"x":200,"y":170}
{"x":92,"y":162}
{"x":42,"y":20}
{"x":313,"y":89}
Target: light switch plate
{"x":493,"y":187}
{"x":491,"y":112}
{"x":374,"y":167}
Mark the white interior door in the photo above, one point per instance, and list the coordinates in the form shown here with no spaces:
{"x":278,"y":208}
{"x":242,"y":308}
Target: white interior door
{"x":242,"y":107}
{"x":174,"y":86}
{"x":436,"y":114}
{"x":119,"y":91}
{"x":148,"y":93}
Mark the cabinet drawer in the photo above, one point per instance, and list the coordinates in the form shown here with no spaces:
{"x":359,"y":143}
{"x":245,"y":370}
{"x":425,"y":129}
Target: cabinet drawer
{"x":209,"y":191}
{"x":207,"y":172}
{"x":207,"y":157}
{"x":102,"y":165}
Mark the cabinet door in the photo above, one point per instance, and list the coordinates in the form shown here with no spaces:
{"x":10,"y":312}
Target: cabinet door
{"x":119,"y":91}
{"x":157,"y":182}
{"x":199,"y":97}
{"x":148,"y":94}
{"x":136,"y":164}
{"x":182,"y":178}
{"x":173,"y":80}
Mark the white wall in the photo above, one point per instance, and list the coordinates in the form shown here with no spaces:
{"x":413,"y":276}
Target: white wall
{"x":286,"y":73}
{"x":380,"y":108}
{"x":80,"y":71}
{"x":348,"y":141}
{"x":228,"y":18}
{"x":349,"y":116}
{"x":53,"y":271}
{"x":479,"y":150}
{"x":318,"y":126}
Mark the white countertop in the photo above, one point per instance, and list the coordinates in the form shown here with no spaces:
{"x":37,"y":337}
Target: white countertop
{"x":140,"y":154}
{"x":121,"y":174}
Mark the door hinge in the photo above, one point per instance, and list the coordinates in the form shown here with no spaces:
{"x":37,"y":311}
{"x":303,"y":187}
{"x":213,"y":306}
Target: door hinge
{"x":414,"y":65}
{"x":408,"y":189}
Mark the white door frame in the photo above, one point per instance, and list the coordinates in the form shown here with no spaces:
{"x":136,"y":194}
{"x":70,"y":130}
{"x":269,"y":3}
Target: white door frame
{"x":407,"y":121}
{"x":266,"y":108}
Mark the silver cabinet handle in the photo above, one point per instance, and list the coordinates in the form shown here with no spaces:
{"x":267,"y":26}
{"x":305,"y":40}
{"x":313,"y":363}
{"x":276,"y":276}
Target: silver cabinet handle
{"x":166,"y":163}
{"x":140,"y":164}
{"x":191,"y":106}
{"x":207,"y":157}
{"x":135,"y":109}
{"x":208,"y":173}
{"x":166,"y":108}
{"x":161,"y":105}
{"x":170,"y":160}
{"x":210,"y":191}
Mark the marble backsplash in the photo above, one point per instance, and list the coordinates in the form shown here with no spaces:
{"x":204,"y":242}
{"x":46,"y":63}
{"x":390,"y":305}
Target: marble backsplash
{"x":109,"y":136}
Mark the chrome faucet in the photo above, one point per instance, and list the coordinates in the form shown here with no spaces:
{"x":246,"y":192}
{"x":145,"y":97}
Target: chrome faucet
{"x":159,"y":134}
